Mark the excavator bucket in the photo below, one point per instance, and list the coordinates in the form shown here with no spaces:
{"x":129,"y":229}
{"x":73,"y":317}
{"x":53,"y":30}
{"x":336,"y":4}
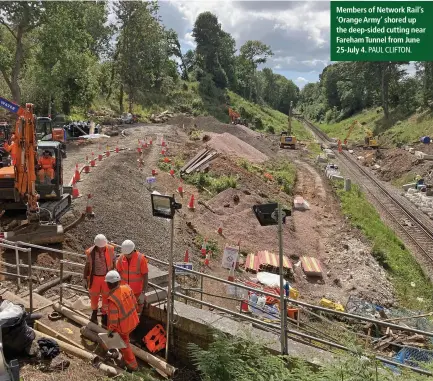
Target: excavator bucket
{"x":36,"y":233}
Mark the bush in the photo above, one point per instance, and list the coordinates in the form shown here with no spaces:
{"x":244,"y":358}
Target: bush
{"x":207,"y":86}
{"x":258,"y":124}
{"x":271,"y":129}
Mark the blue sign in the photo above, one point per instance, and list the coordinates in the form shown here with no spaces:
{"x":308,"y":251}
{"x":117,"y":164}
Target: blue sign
{"x":12,"y":107}
{"x":151,"y":179}
{"x":185,"y":265}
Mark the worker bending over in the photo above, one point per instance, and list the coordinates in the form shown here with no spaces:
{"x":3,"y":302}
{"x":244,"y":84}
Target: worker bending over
{"x":133,"y":270}
{"x":46,"y":163}
{"x":100,"y":260}
{"x":12,"y":149}
{"x":122,"y":315}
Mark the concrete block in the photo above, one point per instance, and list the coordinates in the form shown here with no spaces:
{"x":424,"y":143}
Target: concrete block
{"x":330,"y":155}
{"x":419,"y":155}
{"x":428,"y":157}
{"x":156,"y":275}
{"x":337,"y":177}
{"x":321,"y":159}
{"x":408,"y":186}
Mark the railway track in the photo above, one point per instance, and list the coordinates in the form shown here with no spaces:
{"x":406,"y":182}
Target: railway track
{"x":410,"y":226}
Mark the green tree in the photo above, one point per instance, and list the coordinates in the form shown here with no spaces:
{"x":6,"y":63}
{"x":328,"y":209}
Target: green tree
{"x":67,"y":52}
{"x":19,"y":18}
{"x":252,"y":54}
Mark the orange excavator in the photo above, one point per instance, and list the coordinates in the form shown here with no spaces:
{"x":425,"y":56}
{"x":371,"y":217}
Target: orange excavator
{"x":43,"y":200}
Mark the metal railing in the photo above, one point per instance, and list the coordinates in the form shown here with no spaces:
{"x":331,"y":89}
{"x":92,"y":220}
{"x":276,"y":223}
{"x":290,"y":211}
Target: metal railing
{"x":290,"y":333}
{"x":29,"y":277}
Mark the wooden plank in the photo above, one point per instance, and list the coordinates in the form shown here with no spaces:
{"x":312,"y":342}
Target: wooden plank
{"x":206,"y":163}
{"x":311,"y":266}
{"x":203,"y":161}
{"x":194,"y":159}
{"x":41,"y":327}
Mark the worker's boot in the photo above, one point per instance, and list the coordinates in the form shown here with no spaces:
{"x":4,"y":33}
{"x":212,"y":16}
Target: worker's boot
{"x":104,"y":321}
{"x":94,"y":317}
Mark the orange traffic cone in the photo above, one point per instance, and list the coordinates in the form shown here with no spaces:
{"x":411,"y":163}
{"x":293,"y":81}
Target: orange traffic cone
{"x":89,"y":208}
{"x":139,"y":150}
{"x":86,"y":167}
{"x":163,"y":151}
{"x":150,"y":141}
{"x":220,"y":230}
{"x":172,"y":172}
{"x":117,"y":149}
{"x":153,"y":172}
{"x":186,"y":258}
{"x":75,"y":191}
{"x":231,"y":276}
{"x":93,"y":162}
{"x":191,"y":203}
{"x":100,"y":157}
{"x":107,"y":152}
{"x":77,"y":173}
{"x":204,"y":248}
{"x":180,"y":189}
{"x":166,"y":160}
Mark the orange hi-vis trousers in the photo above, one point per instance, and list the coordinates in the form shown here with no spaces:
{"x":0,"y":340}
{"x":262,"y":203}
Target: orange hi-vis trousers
{"x":99,"y":289}
{"x":46,"y":172}
{"x":128,"y":355}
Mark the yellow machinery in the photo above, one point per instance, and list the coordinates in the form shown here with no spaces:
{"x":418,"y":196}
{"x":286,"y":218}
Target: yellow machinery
{"x":370,"y":141}
{"x":331,"y":305}
{"x":287,"y":140}
{"x":286,"y":137}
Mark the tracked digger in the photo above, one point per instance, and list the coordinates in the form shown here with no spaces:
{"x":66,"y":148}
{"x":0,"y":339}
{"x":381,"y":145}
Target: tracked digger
{"x":31,"y":206}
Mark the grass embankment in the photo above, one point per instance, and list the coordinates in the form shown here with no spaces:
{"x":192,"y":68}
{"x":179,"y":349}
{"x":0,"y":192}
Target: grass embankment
{"x":282,"y":172}
{"x":405,"y":273}
{"x":367,"y":118}
{"x":407,"y":130}
{"x":187,"y":97}
{"x":273,"y":120}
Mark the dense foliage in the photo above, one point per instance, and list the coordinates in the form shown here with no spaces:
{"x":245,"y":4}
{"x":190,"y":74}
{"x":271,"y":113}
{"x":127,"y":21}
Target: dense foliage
{"x":235,"y":359}
{"x":65,"y":55}
{"x":346,"y":88}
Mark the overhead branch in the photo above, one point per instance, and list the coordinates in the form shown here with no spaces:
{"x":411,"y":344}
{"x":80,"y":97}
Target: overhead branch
{"x":9,"y":29}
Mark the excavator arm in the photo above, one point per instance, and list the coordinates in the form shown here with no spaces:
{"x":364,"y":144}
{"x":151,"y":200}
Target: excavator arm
{"x":25,"y":163}
{"x":351,"y":128}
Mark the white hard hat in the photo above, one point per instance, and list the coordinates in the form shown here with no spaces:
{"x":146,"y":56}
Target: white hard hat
{"x":101,"y":240}
{"x":128,"y":246}
{"x":112,"y":277}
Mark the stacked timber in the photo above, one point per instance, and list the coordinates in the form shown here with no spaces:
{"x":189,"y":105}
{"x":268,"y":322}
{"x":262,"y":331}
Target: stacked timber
{"x":200,"y":161}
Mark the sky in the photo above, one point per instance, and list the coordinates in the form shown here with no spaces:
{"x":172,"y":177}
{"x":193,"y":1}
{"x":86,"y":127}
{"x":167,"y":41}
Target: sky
{"x":296,"y":31}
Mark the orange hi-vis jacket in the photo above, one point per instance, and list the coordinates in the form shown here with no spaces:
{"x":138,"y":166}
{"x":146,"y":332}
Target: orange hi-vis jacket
{"x":132,"y":270}
{"x":122,"y":310}
{"x":12,"y":149}
{"x":109,"y":258}
{"x":46,"y":162}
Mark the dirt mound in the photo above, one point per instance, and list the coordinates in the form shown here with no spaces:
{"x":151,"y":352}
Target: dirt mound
{"x":397,"y":162}
{"x":262,"y":142}
{"x":232,"y":146}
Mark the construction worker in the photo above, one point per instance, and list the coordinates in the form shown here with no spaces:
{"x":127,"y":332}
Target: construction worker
{"x":133,"y":270}
{"x":340,"y":148}
{"x":122,"y":314}
{"x":12,"y":149}
{"x":100,"y":260}
{"x":46,"y":163}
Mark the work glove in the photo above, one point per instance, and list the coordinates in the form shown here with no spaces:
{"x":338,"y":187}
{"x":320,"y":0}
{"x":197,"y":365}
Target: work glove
{"x":84,"y":283}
